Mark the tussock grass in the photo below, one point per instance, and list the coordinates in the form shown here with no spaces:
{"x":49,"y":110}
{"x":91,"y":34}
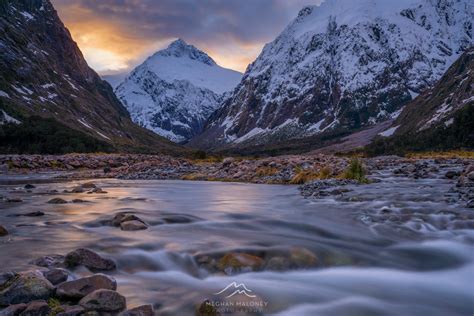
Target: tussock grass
{"x":266,"y":171}
{"x":304,"y":176}
{"x":355,"y":171}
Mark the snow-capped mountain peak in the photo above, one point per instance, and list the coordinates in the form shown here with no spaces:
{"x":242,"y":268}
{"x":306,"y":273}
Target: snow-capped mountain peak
{"x":175,"y":90}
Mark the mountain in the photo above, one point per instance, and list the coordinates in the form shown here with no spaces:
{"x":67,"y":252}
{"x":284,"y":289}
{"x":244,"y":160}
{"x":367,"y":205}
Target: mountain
{"x":175,"y":90}
{"x":440,"y":118}
{"x":341,"y":66}
{"x":115,"y":80}
{"x":44,"y":75}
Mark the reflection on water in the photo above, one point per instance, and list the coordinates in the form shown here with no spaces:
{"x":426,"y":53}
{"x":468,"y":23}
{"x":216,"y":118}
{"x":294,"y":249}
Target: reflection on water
{"x":372,"y":265}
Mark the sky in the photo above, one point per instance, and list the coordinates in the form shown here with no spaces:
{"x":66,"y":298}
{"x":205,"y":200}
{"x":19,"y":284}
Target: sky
{"x":117,"y":35}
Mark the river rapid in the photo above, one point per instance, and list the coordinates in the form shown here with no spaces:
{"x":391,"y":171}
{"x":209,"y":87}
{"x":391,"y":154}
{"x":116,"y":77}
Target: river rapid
{"x":397,"y":247}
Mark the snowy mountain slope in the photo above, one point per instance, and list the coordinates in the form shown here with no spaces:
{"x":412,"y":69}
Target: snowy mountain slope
{"x":174,"y":91}
{"x":343,"y":65}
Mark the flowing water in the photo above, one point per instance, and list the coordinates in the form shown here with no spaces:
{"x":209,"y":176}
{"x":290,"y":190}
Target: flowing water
{"x":389,"y":248}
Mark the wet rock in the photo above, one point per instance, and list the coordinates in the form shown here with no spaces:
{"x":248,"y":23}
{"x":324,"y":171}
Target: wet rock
{"x":57,"y":201}
{"x":125,"y":217}
{"x":451,"y":174}
{"x":3,"y":231}
{"x":177,"y":219}
{"x":75,"y":310}
{"x":49,"y":261}
{"x":33,"y":214}
{"x":25,"y":287}
{"x":470,"y":204}
{"x":78,"y":201}
{"x":13,"y":310}
{"x":207,"y":309}
{"x":37,"y":308}
{"x":79,"y":288}
{"x":303,"y":258}
{"x":103,"y":301}
{"x":77,"y":190}
{"x":89,"y":259}
{"x":56,"y":275}
{"x":143,"y":310}
{"x":89,"y":185}
{"x":29,"y":186}
{"x":98,"y":191}
{"x":133,"y":225}
{"x":470,"y":176}
{"x":14,"y":200}
{"x":239,"y":262}
{"x":278,"y":264}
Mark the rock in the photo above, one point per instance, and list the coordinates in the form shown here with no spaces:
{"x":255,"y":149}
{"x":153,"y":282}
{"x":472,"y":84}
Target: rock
{"x":303,"y":258}
{"x":13,"y":310}
{"x":3,"y":231}
{"x":29,"y":186}
{"x":33,"y":214}
{"x":470,"y":204}
{"x":98,"y":191}
{"x":103,"y":301}
{"x":89,"y":259}
{"x":77,"y":190}
{"x":237,"y":262}
{"x":207,"y":309}
{"x":14,"y":200}
{"x":56,"y":275}
{"x":278,"y":264}
{"x":25,"y":287}
{"x":49,"y":261}
{"x":57,"y":201}
{"x":37,"y":308}
{"x":177,"y":219}
{"x":451,"y":174}
{"x":228,"y":161}
{"x":143,"y":310}
{"x":78,"y":201}
{"x":133,"y":225}
{"x":470,"y":176}
{"x":79,"y":288}
{"x":89,"y":185}
{"x":125,"y":217}
{"x":75,"y":310}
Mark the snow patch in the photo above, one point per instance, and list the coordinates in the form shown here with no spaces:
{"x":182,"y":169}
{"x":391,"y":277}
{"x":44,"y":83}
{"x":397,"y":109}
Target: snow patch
{"x":389,"y":132}
{"x":4,"y":94}
{"x":5,"y":118}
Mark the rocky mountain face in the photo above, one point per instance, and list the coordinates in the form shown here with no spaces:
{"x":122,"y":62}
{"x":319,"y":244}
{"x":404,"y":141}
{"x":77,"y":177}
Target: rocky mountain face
{"x":174,"y":91}
{"x":43,"y":74}
{"x":341,"y":66}
{"x":440,"y":118}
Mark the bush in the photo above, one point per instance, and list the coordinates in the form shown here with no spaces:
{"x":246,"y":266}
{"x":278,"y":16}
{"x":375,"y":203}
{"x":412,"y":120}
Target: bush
{"x":355,"y":171}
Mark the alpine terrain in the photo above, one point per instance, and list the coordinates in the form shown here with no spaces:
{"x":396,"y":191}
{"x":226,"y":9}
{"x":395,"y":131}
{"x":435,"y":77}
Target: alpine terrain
{"x":46,"y":87}
{"x":175,"y":90}
{"x":341,"y":66}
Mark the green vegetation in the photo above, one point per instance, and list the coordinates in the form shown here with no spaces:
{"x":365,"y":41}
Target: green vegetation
{"x":37,"y":135}
{"x":458,"y":136}
{"x":55,"y":306}
{"x":355,"y":171}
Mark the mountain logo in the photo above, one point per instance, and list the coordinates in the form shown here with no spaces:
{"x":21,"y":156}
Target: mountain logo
{"x":234,"y":289}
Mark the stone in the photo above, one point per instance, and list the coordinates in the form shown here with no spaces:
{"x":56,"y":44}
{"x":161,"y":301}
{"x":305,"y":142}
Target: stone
{"x":25,"y":287}
{"x":37,"y":308}
{"x":303,"y":258}
{"x":14,"y":200}
{"x":125,"y":217}
{"x":56,"y":275}
{"x":470,"y":204}
{"x":143,"y":310}
{"x":49,"y":261}
{"x":75,"y":310}
{"x":13,"y":310}
{"x":77,"y":201}
{"x":89,"y":185}
{"x":3,"y":231}
{"x":228,"y":161}
{"x":133,"y":225}
{"x":278,"y":264}
{"x":79,"y":288}
{"x":451,"y":174}
{"x":33,"y":214}
{"x":470,"y":176}
{"x":89,"y":259}
{"x":57,"y":201}
{"x":29,"y":186}
{"x":77,"y":190}
{"x":104,"y":301}
{"x":98,"y":191}
{"x":237,"y":262}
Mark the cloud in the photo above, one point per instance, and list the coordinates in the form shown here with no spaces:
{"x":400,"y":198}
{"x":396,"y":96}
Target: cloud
{"x":118,"y":34}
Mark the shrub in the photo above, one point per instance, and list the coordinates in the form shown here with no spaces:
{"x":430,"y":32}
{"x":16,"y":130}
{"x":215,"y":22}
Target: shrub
{"x":355,"y":171}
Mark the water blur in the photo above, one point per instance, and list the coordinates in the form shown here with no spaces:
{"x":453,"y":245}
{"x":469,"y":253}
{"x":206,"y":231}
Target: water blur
{"x":390,"y":248}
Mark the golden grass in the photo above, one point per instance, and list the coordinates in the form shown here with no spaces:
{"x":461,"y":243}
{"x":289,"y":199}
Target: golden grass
{"x":266,"y":171}
{"x":441,"y":154}
{"x":305,"y":176}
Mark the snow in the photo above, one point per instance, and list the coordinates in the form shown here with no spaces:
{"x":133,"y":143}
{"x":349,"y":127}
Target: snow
{"x":413,"y":94}
{"x":48,"y":85}
{"x":23,"y":90}
{"x":4,"y":94}
{"x":83,"y":122}
{"x":449,"y":122}
{"x":102,"y":135}
{"x":27,"y":15}
{"x":5,"y":118}
{"x":252,"y":133}
{"x":390,"y":131}
{"x":316,"y":127}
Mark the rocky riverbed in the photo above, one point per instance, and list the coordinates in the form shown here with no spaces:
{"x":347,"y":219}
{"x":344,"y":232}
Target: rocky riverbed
{"x":141,"y":247}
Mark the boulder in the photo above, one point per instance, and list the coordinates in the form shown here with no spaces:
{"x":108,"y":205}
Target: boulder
{"x":89,"y":259}
{"x":133,"y":225}
{"x":125,"y":217}
{"x":278,"y":264}
{"x":470,"y":176}
{"x":79,"y":288}
{"x":29,"y":186}
{"x":25,"y":287}
{"x":303,"y":258}
{"x":75,"y":310}
{"x":3,"y":231}
{"x":14,"y":200}
{"x":104,"y":301}
{"x":143,"y":310}
{"x":238,"y":262}
{"x":89,"y":185}
{"x":37,"y":308}
{"x":57,"y":201}
{"x":56,"y":275}
{"x":13,"y":310}
{"x":451,"y":174}
{"x":49,"y":261}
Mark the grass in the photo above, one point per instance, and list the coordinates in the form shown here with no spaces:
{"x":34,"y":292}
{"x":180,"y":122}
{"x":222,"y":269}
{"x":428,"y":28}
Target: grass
{"x":304,"y":176}
{"x":266,"y":171}
{"x":55,"y":306}
{"x":355,"y":171}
